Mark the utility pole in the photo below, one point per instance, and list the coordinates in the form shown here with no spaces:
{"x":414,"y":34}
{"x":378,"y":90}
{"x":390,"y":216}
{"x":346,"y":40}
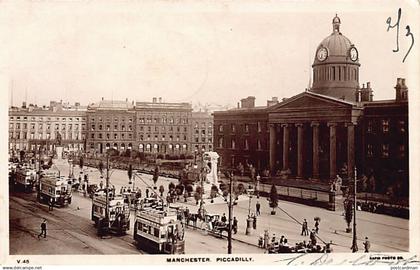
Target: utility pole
{"x":354,"y":247}
{"x":230,"y":215}
{"x":107,"y":191}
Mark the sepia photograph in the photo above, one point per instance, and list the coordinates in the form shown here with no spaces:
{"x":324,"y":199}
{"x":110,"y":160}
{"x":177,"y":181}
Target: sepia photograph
{"x":238,"y":131}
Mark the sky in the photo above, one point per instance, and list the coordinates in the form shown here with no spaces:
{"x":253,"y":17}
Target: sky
{"x":191,"y":51}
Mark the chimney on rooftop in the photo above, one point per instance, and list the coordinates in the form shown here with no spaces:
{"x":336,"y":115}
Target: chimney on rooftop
{"x":154,"y":99}
{"x":366,"y":93}
{"x":102,"y":98}
{"x":24,"y":105}
{"x":160,"y":100}
{"x":273,"y":101}
{"x":248,"y":102}
{"x":401,"y":90}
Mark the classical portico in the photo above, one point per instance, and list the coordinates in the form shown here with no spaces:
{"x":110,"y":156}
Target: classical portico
{"x":313,"y":136}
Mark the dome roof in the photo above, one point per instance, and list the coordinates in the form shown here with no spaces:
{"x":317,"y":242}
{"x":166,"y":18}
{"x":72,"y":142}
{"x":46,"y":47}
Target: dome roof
{"x":337,"y":45}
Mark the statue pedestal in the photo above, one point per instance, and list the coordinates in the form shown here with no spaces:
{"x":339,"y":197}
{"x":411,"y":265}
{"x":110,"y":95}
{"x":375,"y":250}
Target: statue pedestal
{"x":59,"y":152}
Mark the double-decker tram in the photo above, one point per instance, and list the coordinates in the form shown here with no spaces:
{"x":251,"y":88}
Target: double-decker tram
{"x":26,"y":178}
{"x":117,"y":219}
{"x":159,"y":232}
{"x":55,"y":189}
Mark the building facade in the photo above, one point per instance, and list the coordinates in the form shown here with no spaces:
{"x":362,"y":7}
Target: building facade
{"x":326,"y":131}
{"x":163,"y":128}
{"x":32,"y":127}
{"x":110,"y":124}
{"x":202,"y":131}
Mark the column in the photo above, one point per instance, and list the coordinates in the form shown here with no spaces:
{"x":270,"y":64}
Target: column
{"x":315,"y":150}
{"x":285,"y":146}
{"x":272,"y":147}
{"x":333,"y":150}
{"x":350,"y":149}
{"x":300,"y":150}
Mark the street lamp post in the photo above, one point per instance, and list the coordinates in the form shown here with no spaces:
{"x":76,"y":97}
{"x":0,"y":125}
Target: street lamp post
{"x":230,"y":214}
{"x":354,"y":247}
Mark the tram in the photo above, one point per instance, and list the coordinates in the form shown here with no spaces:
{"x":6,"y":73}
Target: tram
{"x":55,"y":188}
{"x":159,"y":232}
{"x":118,"y":213}
{"x":25,"y":178}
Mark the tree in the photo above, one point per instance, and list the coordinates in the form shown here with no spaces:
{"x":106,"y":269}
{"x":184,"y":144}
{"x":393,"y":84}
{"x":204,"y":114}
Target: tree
{"x":348,"y":214}
{"x":130,"y":172}
{"x":213,"y":192}
{"x":161,"y":190}
{"x":156,"y":175}
{"x":197,"y":194}
{"x":22,"y":155}
{"x":274,"y":199}
{"x":171,"y":186}
{"x":101,"y":167}
{"x":81,"y":162}
{"x":189,"y":189}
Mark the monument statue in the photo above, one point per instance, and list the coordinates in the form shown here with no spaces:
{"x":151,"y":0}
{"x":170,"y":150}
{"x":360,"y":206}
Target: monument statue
{"x":58,"y":139}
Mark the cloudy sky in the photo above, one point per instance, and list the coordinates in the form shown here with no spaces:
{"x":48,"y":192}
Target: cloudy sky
{"x":208,"y":52}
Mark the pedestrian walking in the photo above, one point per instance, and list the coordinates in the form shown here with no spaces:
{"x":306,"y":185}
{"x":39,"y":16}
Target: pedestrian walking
{"x":224,"y":219}
{"x":304,"y":228}
{"x":366,"y":244}
{"x":282,"y":240}
{"x":43,"y":229}
{"x":257,"y":208}
{"x":316,"y":226}
{"x":147,"y":193}
{"x":235,"y":225}
{"x":51,"y":204}
{"x":254,"y":222}
{"x":101,"y":184}
{"x":312,"y":237}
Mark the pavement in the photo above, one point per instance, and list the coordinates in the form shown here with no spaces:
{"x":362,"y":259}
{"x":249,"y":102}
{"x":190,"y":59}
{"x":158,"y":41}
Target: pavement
{"x":386,"y":233}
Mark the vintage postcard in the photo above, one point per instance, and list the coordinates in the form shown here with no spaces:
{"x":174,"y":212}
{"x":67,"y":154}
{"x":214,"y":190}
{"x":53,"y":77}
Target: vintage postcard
{"x":210,"y":132}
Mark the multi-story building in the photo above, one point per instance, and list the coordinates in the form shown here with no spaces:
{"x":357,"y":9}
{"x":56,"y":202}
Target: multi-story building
{"x":327,"y":130}
{"x":110,"y":124}
{"x":32,"y":126}
{"x":163,"y":127}
{"x":202,"y":131}
{"x":241,"y":134}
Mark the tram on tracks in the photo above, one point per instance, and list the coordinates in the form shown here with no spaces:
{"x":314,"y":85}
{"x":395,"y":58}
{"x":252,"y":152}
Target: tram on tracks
{"x":55,"y":189}
{"x":26,"y":178}
{"x":118,"y":213}
{"x":159,"y":232}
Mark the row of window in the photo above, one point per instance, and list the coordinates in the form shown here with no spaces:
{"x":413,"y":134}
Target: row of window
{"x":116,"y":119}
{"x":48,"y":126}
{"x":385,"y":124}
{"x":385,"y":152}
{"x":129,"y":136}
{"x":162,"y":128}
{"x":107,"y":127}
{"x":260,"y":127}
{"x":44,"y":136}
{"x":142,"y":147}
{"x":233,"y":144}
{"x":32,"y":118}
{"x":336,"y":73}
{"x":149,"y":120}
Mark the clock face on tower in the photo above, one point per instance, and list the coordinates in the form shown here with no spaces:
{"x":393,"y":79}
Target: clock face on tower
{"x":354,"y":55}
{"x":322,"y":54}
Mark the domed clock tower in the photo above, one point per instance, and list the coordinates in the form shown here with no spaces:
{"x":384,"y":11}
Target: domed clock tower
{"x":336,"y":66}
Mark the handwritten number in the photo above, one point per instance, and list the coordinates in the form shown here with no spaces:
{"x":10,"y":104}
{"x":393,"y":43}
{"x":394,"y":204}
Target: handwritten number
{"x":412,"y":41}
{"x":397,"y":24}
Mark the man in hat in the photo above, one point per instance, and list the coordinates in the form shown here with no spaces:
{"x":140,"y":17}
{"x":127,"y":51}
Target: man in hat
{"x":43,"y":229}
{"x":366,"y":244}
{"x":304,"y":228}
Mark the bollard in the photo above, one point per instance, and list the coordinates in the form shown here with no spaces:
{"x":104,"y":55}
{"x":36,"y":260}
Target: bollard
{"x":249,"y":222}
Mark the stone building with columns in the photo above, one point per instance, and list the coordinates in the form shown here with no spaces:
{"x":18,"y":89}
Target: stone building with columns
{"x":327,"y":130}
